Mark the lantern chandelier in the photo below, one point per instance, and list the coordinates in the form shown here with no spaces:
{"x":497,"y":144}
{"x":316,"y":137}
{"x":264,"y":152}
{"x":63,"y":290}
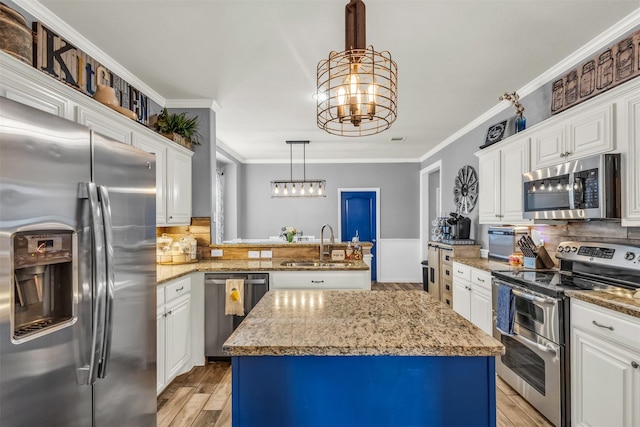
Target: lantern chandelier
{"x":357,"y":88}
{"x":298,"y":188}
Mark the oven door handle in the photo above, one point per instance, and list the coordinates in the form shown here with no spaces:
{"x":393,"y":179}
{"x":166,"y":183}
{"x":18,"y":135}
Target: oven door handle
{"x":533,"y":298}
{"x":530,"y":343}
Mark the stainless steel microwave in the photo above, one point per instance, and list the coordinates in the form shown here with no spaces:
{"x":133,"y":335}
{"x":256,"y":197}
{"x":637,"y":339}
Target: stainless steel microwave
{"x":587,"y":188}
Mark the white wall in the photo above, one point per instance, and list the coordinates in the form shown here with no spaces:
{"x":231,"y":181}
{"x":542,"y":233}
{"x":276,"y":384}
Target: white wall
{"x":400,"y":260}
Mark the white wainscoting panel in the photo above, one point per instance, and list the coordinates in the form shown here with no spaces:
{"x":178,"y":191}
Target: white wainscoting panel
{"x":399,"y":260}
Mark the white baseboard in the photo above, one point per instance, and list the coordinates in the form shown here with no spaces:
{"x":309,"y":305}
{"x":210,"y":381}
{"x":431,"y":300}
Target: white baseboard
{"x":399,"y":260}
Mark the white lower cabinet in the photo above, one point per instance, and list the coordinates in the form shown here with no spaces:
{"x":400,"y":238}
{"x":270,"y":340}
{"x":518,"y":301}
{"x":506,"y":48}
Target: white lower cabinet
{"x":320,"y":279}
{"x":605,"y":367}
{"x":472,"y":295}
{"x":173,"y":330}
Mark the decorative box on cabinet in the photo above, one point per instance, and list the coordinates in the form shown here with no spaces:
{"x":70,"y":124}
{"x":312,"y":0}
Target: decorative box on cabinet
{"x":500,"y":172}
{"x":605,"y":367}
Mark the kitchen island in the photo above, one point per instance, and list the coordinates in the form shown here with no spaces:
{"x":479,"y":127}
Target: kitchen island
{"x":381,"y":358}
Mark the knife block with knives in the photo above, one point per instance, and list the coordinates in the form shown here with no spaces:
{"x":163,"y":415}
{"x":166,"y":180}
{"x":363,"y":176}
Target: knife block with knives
{"x":534,"y":256}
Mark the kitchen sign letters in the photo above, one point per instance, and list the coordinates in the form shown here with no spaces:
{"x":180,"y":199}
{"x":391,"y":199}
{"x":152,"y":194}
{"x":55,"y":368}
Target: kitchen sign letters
{"x":63,"y":61}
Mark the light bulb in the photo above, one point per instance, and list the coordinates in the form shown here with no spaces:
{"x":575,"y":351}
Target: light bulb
{"x":293,"y":190}
{"x":276,"y":190}
{"x":542,"y":186}
{"x":302,"y":189}
{"x":533,"y":188}
{"x":310,"y":188}
{"x":341,"y":95}
{"x":354,"y":82}
{"x":286,"y":191}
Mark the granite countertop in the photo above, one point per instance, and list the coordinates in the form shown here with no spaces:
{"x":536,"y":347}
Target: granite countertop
{"x":165,"y":273}
{"x":330,"y":323}
{"x":487,"y":264}
{"x":621,"y":301}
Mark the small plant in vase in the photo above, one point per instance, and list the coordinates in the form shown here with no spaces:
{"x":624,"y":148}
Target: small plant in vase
{"x":288,"y":233}
{"x":521,"y":121}
{"x":171,"y":124}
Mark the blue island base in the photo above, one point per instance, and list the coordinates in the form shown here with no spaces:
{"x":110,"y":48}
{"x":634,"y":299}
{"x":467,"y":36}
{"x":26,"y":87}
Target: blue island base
{"x":368,"y":391}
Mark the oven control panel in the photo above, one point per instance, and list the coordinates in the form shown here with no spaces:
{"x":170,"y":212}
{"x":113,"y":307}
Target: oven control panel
{"x":609,"y":254}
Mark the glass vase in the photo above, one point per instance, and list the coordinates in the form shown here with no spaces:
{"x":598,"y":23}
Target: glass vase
{"x":521,"y":123}
{"x":290,"y":237}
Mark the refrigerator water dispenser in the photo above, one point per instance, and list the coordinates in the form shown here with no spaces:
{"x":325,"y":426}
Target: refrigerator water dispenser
{"x":43,"y":266}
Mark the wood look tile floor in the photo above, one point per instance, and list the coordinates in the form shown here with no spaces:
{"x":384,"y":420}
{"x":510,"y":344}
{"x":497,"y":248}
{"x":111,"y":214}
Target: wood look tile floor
{"x":202,"y":396}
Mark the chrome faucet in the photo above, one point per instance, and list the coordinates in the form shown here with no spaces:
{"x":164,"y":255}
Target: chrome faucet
{"x":332,"y":241}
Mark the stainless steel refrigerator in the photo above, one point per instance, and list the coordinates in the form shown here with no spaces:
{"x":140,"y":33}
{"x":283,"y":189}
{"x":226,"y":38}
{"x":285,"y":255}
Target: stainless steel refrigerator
{"x":77,"y":275}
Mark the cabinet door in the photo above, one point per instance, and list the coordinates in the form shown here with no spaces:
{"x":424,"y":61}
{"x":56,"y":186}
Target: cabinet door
{"x":605,"y":386}
{"x":160,"y":348}
{"x":160,"y":150}
{"x":178,"y":342}
{"x":489,"y":196}
{"x":514,"y":162}
{"x":548,"y":146}
{"x":36,"y":97}
{"x":178,"y":187}
{"x":481,"y":308}
{"x":462,"y":298}
{"x":630,"y":133}
{"x":104,"y":124}
{"x":591,"y":132}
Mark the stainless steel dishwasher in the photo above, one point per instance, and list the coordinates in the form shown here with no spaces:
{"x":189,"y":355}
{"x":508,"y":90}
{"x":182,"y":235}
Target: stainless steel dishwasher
{"x":218,"y":326}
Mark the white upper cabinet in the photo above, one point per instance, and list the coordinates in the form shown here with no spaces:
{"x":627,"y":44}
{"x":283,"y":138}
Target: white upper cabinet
{"x":500,"y":172}
{"x":573,"y":135}
{"x":178,"y":186}
{"x":103,"y":124}
{"x":629,"y":135}
{"x":173,"y":178}
{"x":153,"y":146}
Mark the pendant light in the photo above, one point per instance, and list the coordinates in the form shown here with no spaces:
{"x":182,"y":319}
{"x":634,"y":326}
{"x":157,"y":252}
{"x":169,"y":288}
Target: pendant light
{"x":357,"y":88}
{"x":298,"y":188}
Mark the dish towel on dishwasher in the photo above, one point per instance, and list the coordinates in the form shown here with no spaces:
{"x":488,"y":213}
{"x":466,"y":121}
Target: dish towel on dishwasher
{"x":234,"y":297}
{"x":506,"y":309}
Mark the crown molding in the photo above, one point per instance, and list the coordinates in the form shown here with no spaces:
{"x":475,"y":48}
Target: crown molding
{"x":610,"y":35}
{"x":210,"y":104}
{"x":229,"y":152}
{"x":52,"y":21}
{"x":327,"y":161}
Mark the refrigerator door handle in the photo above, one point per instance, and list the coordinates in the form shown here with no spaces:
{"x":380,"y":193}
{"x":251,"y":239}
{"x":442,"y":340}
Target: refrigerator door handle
{"x":98,"y":283}
{"x":105,"y":204}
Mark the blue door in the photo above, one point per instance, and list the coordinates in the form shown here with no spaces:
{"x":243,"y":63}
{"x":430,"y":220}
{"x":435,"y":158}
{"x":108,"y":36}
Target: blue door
{"x":358,"y":212}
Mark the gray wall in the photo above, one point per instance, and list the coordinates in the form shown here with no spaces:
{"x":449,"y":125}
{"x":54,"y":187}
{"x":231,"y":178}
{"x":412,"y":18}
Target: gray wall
{"x":261,"y":216}
{"x":203,"y":162}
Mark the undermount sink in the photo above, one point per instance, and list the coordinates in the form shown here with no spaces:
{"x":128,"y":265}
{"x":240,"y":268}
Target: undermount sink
{"x":316,"y":264}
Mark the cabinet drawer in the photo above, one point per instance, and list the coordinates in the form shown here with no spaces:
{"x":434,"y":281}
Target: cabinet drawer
{"x":177,"y":289}
{"x":613,"y":325}
{"x":317,"y":280}
{"x":445,"y":256}
{"x":462,"y":271}
{"x":160,"y":296}
{"x":447,"y":287}
{"x":481,"y":278}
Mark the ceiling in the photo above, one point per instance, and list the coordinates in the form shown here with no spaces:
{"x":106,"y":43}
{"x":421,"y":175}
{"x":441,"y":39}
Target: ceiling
{"x":257,"y":60}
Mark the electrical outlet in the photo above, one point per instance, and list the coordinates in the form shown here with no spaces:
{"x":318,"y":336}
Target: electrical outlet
{"x":216,"y":252}
{"x":266,"y":254}
{"x":254,"y":254}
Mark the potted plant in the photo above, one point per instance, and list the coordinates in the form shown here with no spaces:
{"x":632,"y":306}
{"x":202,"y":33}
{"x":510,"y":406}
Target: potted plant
{"x":178,"y":128}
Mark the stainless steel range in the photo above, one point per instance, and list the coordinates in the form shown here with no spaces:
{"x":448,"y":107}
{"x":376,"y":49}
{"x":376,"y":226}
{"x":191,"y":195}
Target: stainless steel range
{"x":536,"y":361}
